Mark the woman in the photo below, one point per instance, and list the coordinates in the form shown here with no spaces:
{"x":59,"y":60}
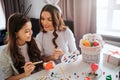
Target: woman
{"x":21,"y":51}
{"x":55,"y":38}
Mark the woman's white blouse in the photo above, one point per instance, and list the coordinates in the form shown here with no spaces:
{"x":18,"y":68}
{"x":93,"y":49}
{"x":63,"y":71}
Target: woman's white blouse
{"x":65,"y":41}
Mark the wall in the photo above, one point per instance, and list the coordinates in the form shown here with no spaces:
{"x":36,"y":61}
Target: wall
{"x":112,"y":43}
{"x":36,"y":7}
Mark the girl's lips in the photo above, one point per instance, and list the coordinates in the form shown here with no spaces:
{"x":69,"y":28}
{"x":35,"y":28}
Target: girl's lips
{"x":46,"y":26}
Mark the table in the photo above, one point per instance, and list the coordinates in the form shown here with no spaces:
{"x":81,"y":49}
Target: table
{"x":77,"y":69}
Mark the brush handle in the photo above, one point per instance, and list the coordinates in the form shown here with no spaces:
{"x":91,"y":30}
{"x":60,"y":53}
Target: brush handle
{"x":38,"y":62}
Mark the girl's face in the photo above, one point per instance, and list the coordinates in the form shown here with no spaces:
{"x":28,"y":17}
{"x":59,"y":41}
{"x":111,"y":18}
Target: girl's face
{"x":24,"y":34}
{"x":46,"y":21}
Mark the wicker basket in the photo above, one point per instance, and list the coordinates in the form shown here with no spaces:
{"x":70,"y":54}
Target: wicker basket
{"x":90,"y":54}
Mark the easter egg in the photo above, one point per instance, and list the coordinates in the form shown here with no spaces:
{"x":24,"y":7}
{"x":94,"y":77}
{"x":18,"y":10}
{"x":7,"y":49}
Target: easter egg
{"x":87,"y":78}
{"x":94,"y":67}
{"x":49,"y":65}
{"x":86,"y":43}
{"x":91,"y":44}
{"x":95,"y":43}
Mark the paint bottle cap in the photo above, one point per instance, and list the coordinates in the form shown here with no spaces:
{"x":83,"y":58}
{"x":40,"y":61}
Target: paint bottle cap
{"x":108,"y":77}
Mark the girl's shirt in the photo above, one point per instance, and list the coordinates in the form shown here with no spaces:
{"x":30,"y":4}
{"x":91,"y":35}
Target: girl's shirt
{"x":1,"y":73}
{"x":65,"y":41}
{"x":23,"y":50}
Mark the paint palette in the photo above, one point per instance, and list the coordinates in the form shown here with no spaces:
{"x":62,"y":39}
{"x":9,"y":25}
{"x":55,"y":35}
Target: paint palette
{"x":70,"y":57}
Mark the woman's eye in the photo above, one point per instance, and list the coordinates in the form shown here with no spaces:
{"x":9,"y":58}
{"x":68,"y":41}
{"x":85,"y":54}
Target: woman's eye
{"x":42,"y":18}
{"x":49,"y":19}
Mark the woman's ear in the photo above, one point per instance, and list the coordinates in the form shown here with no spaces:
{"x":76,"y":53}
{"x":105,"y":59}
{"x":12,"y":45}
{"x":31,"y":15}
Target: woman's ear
{"x":16,"y":34}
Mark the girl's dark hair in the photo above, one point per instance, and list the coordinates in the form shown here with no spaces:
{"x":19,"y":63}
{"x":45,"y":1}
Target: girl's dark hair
{"x":15,"y":23}
{"x":57,"y":21}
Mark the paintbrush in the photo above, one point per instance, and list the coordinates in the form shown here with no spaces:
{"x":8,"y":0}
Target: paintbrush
{"x":62,"y":71}
{"x":38,"y":62}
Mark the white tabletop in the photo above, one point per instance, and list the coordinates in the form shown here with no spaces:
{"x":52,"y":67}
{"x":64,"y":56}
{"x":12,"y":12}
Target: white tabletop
{"x":77,"y":69}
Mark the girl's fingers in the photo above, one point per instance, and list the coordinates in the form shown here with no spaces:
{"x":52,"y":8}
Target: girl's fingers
{"x":29,"y":69}
{"x":28,"y":63}
{"x":29,"y":66}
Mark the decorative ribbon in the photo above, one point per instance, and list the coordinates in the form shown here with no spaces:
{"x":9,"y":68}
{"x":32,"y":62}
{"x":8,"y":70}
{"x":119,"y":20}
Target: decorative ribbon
{"x":113,"y":52}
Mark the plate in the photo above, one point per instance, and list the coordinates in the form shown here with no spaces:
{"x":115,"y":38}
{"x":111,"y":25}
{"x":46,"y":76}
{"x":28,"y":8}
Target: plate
{"x":70,"y":57}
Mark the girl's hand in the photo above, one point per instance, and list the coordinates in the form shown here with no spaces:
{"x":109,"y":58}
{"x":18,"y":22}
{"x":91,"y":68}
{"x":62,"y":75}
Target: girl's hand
{"x":28,"y":68}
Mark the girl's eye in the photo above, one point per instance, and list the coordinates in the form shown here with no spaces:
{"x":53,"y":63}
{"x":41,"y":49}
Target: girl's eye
{"x":27,"y":31}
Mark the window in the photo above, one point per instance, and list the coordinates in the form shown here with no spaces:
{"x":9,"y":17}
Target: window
{"x":108,"y":17}
{"x":2,"y":17}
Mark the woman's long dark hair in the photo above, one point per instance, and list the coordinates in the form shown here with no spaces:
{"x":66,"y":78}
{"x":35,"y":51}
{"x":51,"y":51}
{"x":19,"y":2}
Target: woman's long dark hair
{"x":15,"y":23}
{"x":57,"y":20}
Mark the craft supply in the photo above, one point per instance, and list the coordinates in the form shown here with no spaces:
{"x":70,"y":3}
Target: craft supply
{"x":52,"y":74}
{"x":94,"y":67}
{"x":49,"y":65}
{"x":70,"y":57}
{"x":86,"y":43}
{"x":82,"y":73}
{"x":38,"y":62}
{"x":62,"y":71}
{"x":108,"y":77}
{"x":112,"y":56}
{"x":43,"y":78}
{"x":91,"y":45}
{"x":116,"y":76}
{"x":92,"y":75}
{"x":75,"y":74}
{"x":87,"y":78}
{"x":103,"y":73}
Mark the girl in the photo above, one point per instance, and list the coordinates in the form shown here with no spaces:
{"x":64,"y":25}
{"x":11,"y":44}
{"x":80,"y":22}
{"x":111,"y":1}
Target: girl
{"x":22,"y":49}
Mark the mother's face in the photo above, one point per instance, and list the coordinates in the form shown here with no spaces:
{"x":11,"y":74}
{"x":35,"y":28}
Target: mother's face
{"x":46,"y":21}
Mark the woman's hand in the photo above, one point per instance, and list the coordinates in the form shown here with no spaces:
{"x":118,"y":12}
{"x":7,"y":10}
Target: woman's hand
{"x":57,"y":53}
{"x":28,"y":68}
